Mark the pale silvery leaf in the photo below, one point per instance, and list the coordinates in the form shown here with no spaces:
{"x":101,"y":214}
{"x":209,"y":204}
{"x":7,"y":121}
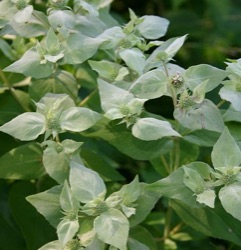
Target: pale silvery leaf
{"x":29,"y":65}
{"x":148,"y":129}
{"x":134,"y":59}
{"x":114,"y":113}
{"x":197,"y":74}
{"x":232,"y":115}
{"x":152,"y":27}
{"x":67,"y":201}
{"x":23,"y":16}
{"x":54,"y":103}
{"x":79,"y":48}
{"x":54,"y":58}
{"x":112,"y":96}
{"x":192,"y":179}
{"x":199,"y":92}
{"x":78,"y":119}
{"x":128,"y":211}
{"x":234,"y":67}
{"x":112,"y":227}
{"x":151,"y":85}
{"x":53,"y":245}
{"x":26,"y":127}
{"x":201,"y":116}
{"x":230,"y":197}
{"x":52,"y":41}
{"x":110,"y":37}
{"x":62,"y":18}
{"x":164,"y":53}
{"x":108,"y":70}
{"x":47,"y":204}
{"x":207,"y":197}
{"x":226,"y":153}
{"x":67,"y":229}
{"x":55,"y":162}
{"x":176,"y":44}
{"x":234,"y":97}
{"x":86,"y":184}
{"x":71,"y":146}
{"x":130,"y":192}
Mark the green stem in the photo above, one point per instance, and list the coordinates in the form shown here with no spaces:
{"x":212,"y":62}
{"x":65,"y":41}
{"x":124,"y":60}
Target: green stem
{"x":164,"y":161}
{"x":88,"y":98}
{"x":220,"y":103}
{"x":12,"y":91}
{"x":168,"y":221}
{"x":177,"y":153}
{"x":165,"y":68}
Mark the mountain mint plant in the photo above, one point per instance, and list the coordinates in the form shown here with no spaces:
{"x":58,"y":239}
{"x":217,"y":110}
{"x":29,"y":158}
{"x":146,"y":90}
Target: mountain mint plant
{"x":79,"y":82}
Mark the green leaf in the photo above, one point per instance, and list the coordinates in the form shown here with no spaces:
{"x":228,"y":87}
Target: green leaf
{"x":136,"y":245}
{"x":134,"y":59}
{"x":78,"y":119}
{"x":67,"y":229}
{"x":29,"y":65}
{"x":202,"y":138}
{"x":230,"y":197}
{"x":201,"y":116}
{"x":226,"y":153}
{"x":67,"y":201}
{"x":9,"y":107}
{"x":148,"y":129}
{"x":10,"y":238}
{"x":151,"y":85}
{"x":189,"y":152}
{"x":152,"y":27}
{"x":112,"y":227}
{"x":100,"y":164}
{"x":47,"y":204}
{"x":121,"y":138}
{"x":143,"y":236}
{"x":86,"y":184}
{"x":26,"y":127}
{"x":213,"y":222}
{"x":197,"y":74}
{"x":144,"y":204}
{"x":22,"y":163}
{"x":173,"y":187}
{"x":60,"y":82}
{"x":33,"y":226}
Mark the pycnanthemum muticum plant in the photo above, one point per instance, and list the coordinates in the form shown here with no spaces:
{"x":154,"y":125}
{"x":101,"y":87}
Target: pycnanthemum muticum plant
{"x":79,"y":97}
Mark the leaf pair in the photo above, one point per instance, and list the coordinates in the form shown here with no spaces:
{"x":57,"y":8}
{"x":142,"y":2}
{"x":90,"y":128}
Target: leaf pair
{"x":55,"y":114}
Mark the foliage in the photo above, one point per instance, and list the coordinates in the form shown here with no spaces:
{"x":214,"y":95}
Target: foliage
{"x":90,"y":167}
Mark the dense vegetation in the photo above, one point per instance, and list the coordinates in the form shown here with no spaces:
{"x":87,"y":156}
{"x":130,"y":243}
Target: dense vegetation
{"x":120,"y":125}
